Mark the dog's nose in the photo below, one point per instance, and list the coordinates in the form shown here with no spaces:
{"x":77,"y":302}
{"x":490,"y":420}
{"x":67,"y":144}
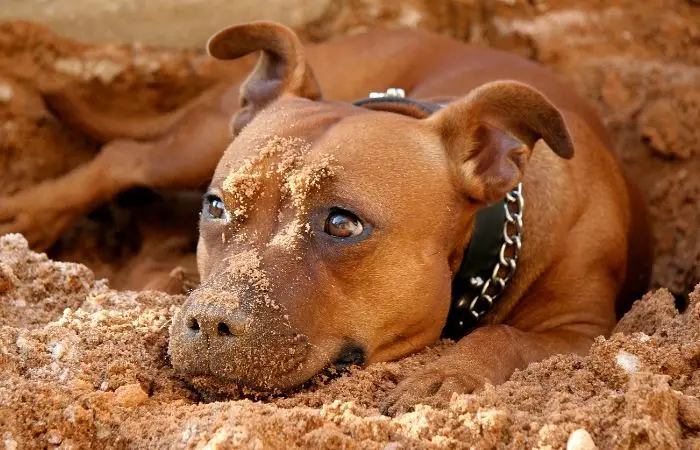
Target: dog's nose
{"x":208,"y":332}
{"x":212,"y":322}
{"x":216,"y":327}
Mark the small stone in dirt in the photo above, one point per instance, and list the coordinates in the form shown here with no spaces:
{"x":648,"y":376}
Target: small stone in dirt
{"x":8,"y":280}
{"x":580,"y":440}
{"x":10,"y":443}
{"x":54,"y":437}
{"x":130,"y":395}
{"x":6,"y":93}
{"x":689,"y":411}
{"x":627,"y":361}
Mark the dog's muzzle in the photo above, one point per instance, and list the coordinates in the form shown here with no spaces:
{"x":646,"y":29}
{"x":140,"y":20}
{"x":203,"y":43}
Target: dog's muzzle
{"x":213,"y":335}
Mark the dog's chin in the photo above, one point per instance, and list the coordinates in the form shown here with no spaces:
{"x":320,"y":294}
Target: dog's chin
{"x":263,"y":382}
{"x":214,"y":388}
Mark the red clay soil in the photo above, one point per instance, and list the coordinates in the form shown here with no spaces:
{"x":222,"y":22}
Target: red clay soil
{"x":86,"y":366}
{"x":96,"y":374}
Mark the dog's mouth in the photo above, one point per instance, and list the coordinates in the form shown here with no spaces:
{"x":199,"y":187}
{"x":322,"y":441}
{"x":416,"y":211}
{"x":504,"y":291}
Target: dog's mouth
{"x":350,"y":354}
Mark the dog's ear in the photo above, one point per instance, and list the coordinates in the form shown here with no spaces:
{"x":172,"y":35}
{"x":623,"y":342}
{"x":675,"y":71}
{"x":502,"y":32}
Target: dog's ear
{"x":281,"y":70}
{"x":490,"y":135}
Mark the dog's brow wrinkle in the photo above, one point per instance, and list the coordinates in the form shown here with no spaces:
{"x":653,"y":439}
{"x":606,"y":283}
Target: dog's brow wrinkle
{"x":302,"y":181}
{"x":243,"y":184}
{"x":297,"y":184}
{"x":282,"y":163}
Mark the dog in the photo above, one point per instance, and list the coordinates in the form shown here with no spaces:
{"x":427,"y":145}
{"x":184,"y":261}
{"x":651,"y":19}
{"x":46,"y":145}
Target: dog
{"x":472,"y":195}
{"x":337,"y":233}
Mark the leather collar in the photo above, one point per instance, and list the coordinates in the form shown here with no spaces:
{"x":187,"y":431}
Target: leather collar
{"x":483,"y":252}
{"x":479,"y":259}
{"x":400,"y":105}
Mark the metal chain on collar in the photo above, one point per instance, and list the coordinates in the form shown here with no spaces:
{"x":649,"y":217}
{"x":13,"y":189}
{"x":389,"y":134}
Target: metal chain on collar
{"x":504,"y":269}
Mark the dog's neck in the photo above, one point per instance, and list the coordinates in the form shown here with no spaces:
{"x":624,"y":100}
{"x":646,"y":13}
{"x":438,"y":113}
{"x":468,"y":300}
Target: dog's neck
{"x":490,"y":258}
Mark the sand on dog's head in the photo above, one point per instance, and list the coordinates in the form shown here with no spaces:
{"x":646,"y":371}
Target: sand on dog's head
{"x":307,"y":213}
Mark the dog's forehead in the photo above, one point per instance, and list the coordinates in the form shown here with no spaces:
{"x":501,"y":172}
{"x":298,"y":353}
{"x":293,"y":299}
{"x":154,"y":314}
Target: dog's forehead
{"x":351,"y":135}
{"x":383,"y":140}
{"x":293,"y":124}
{"x":357,"y":152}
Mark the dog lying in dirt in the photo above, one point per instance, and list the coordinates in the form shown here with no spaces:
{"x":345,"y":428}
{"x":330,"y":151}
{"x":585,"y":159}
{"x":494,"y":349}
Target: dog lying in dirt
{"x":480,"y":203}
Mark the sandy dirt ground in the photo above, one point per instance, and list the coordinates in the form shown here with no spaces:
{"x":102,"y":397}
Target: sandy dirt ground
{"x":84,"y":365}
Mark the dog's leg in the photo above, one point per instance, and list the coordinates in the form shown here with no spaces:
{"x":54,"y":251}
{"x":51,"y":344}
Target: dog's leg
{"x":183,"y":160}
{"x":490,"y":354}
{"x":104,"y":126}
{"x":44,"y":211}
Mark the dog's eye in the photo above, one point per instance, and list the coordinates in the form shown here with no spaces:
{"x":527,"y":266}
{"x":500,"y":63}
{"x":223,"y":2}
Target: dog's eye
{"x":214,"y":207}
{"x":343,"y":224}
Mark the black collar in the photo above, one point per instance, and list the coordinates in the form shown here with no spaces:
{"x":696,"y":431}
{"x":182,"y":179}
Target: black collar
{"x":390,"y":103}
{"x":478,"y":262}
{"x":482,"y":253}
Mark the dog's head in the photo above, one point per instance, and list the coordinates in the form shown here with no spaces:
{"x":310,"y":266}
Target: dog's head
{"x":331,"y":233}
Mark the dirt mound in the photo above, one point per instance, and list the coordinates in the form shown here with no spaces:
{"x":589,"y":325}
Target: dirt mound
{"x":97,"y":374}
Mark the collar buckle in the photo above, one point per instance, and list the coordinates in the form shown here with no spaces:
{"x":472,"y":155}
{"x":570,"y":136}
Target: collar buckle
{"x":391,"y":92}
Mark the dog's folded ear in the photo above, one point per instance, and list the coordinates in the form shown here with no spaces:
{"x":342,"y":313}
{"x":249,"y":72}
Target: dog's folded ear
{"x":490,"y":135}
{"x":281,"y":70}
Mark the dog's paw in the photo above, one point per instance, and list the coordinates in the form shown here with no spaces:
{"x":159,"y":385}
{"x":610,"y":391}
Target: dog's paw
{"x":432,"y":387}
{"x":32,"y":215}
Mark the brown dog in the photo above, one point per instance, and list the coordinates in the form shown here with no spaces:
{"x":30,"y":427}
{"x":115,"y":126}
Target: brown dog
{"x":335,"y":233}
